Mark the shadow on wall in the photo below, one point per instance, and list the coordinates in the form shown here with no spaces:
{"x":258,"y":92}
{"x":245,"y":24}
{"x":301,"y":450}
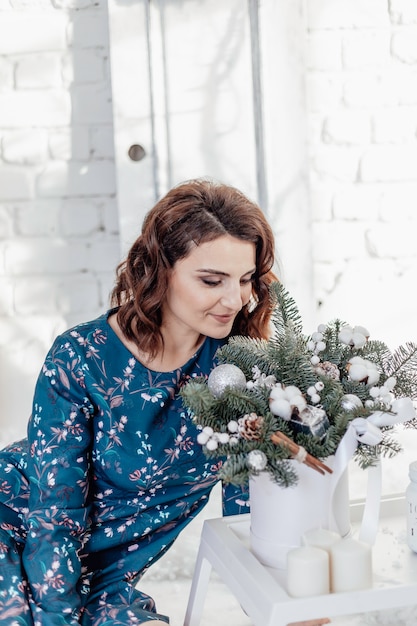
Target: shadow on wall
{"x":62,"y":245}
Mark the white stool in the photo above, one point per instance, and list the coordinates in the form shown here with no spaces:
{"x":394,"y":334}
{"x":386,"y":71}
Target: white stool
{"x":260,"y":590}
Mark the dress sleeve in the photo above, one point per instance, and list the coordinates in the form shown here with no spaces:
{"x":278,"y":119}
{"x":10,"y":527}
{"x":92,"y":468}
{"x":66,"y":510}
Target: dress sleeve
{"x":59,"y":435}
{"x":235,"y":499}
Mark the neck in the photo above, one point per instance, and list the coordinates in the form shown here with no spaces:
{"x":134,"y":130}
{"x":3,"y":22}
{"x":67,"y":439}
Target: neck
{"x":176,"y":352}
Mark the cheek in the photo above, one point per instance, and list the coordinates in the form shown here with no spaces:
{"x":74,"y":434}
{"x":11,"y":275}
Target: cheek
{"x":246,"y":294}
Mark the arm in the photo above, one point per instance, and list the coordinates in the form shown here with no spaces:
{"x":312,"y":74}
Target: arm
{"x":59,"y":443}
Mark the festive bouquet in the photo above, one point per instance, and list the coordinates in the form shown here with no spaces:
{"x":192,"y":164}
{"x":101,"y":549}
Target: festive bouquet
{"x":302,"y":396}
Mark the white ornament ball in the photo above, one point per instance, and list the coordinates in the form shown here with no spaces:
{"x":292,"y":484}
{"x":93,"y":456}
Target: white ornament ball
{"x":223,"y":437}
{"x":202,"y":438}
{"x":317,"y":336}
{"x":212,"y":444}
{"x":225,"y":375}
{"x":256,"y":460}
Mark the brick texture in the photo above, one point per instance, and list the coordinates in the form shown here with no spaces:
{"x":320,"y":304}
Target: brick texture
{"x":59,"y":240}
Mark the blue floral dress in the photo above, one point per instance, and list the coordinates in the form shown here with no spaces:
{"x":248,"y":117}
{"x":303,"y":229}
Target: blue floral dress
{"x":109,"y":475}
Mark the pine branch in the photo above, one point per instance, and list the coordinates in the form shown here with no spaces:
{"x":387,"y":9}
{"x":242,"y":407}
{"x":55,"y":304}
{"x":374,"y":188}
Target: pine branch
{"x":403,"y":365}
{"x":246,"y":353}
{"x":285,"y":314}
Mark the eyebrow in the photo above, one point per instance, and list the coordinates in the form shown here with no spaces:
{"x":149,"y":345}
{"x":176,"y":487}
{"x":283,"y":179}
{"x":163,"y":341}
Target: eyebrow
{"x":219,"y":273}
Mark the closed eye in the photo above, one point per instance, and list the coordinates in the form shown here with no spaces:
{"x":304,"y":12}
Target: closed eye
{"x":246,"y":281}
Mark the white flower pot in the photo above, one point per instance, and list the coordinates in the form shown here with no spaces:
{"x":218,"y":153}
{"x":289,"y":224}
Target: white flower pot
{"x":280,"y":516}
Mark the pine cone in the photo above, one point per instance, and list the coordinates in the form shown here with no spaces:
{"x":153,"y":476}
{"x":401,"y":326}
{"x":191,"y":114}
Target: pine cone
{"x":326,"y":368}
{"x":250,"y":426}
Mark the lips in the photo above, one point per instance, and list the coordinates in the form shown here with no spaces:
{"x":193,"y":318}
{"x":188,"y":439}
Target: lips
{"x":223,"y":319}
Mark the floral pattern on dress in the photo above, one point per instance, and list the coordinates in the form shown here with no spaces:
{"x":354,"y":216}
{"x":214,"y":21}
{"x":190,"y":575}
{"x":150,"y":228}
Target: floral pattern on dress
{"x":109,"y":475}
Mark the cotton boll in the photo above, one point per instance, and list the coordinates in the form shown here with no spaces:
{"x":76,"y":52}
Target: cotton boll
{"x":358,"y":372}
{"x":281,"y":407}
{"x":277,"y":392}
{"x":373,"y":376}
{"x":299,"y":402}
{"x":345,"y":335}
{"x":292,"y":391}
{"x":363,"y":370}
{"x":358,"y":340}
{"x":362,"y":330}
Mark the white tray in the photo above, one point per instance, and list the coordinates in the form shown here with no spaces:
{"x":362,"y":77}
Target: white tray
{"x":261,"y":590}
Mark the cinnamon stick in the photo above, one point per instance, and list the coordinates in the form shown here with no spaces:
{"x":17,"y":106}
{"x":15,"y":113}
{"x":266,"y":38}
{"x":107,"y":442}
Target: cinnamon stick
{"x":280,"y":439}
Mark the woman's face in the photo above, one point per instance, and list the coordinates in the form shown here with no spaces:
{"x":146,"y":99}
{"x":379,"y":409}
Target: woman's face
{"x":208,"y":288}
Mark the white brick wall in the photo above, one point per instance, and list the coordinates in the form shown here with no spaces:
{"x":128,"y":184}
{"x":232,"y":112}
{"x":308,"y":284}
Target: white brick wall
{"x":58,"y":217}
{"x":362,"y":111}
{"x":59,"y":239}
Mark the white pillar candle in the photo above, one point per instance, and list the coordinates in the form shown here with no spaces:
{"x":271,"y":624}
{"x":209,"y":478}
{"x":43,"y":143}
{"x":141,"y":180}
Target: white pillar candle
{"x":320,"y":538}
{"x":351,"y":565}
{"x":307,"y":572}
{"x":324,"y":539}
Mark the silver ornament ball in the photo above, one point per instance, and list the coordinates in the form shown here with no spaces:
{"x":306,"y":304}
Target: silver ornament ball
{"x":225,"y":375}
{"x":350,"y":402}
{"x":256,"y":460}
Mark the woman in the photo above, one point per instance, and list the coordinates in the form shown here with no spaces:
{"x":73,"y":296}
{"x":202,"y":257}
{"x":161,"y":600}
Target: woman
{"x":110,"y":472}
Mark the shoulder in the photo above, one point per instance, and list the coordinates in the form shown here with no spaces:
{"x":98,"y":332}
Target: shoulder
{"x":85,"y":335}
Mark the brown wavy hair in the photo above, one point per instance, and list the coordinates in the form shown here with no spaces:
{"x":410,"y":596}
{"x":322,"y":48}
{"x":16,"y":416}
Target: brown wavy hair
{"x":191,"y":213}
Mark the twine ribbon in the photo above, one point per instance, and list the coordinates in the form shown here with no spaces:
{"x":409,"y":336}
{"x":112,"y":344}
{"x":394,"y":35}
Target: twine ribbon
{"x":301,"y":455}
{"x":368,"y":431}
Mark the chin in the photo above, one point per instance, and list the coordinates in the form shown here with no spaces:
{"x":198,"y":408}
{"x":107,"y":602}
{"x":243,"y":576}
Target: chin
{"x":220,"y":334}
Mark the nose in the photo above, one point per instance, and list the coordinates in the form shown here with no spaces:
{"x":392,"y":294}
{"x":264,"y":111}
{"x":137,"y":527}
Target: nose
{"x":232,"y":297}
